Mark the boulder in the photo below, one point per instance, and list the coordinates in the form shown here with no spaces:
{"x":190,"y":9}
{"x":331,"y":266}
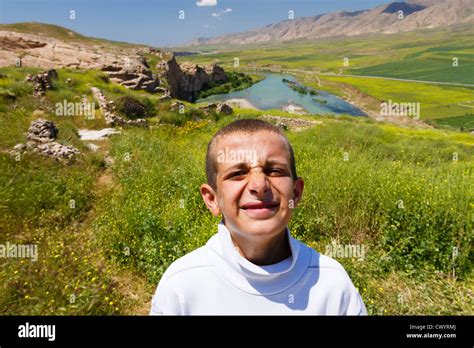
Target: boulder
{"x":41,"y":136}
{"x":224,"y":109}
{"x":42,"y":131}
{"x":218,"y":108}
{"x":133,"y":73}
{"x":176,"y":106}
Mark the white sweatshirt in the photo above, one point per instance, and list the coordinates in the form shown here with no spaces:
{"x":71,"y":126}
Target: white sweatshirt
{"x":216,"y":280}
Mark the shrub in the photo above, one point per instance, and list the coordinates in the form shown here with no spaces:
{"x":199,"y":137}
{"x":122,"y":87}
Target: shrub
{"x":132,"y":107}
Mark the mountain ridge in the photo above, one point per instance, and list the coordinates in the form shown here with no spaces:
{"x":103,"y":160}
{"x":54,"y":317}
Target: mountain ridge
{"x":386,"y":19}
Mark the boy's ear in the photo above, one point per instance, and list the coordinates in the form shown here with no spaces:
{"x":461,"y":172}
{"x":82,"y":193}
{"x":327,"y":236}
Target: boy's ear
{"x":298,"y":188}
{"x":210,"y":198}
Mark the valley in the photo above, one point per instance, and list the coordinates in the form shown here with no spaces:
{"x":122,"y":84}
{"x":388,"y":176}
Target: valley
{"x":102,"y":149}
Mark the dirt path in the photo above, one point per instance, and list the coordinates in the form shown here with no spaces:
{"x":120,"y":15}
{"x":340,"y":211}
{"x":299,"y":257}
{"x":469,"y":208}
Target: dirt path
{"x":134,"y":289}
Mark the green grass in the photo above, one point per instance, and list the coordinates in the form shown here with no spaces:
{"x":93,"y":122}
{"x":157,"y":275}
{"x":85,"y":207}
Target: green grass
{"x":425,"y":69}
{"x":465,"y":123}
{"x":71,"y":275}
{"x":436,"y":101}
{"x":151,"y":213}
{"x":159,"y":215}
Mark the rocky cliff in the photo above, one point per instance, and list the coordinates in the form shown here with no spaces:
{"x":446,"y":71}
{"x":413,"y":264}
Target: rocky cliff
{"x":124,"y":64}
{"x":187,"y":79}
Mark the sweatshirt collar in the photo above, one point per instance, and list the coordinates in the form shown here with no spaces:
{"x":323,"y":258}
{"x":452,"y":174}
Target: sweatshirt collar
{"x":253,"y":278}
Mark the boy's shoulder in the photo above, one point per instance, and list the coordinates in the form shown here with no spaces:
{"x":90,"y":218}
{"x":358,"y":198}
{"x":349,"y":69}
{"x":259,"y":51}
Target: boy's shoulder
{"x":325,"y":265}
{"x":190,"y":262}
{"x":194,"y":261}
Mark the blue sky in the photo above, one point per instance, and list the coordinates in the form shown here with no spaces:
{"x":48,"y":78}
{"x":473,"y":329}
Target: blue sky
{"x":157,"y":22}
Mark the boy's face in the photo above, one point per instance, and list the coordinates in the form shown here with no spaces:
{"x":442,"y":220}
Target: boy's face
{"x":255,"y":191}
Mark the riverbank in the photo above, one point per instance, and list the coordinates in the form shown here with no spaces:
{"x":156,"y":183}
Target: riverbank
{"x":273,"y":93}
{"x":293,"y":108}
{"x":241,"y":103}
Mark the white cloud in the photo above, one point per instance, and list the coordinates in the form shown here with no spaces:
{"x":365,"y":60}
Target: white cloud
{"x":221,"y":12}
{"x":202,"y":3}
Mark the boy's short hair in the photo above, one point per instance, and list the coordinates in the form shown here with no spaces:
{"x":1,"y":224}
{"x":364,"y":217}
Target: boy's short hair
{"x":248,"y":126}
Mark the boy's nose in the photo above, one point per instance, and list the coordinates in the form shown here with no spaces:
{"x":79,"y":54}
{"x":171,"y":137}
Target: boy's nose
{"x":258,"y":183}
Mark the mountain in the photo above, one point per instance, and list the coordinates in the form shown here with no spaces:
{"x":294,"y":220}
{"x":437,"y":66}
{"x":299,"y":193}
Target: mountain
{"x":417,"y":14}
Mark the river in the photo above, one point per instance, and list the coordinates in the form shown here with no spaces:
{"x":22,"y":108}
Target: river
{"x":273,"y":93}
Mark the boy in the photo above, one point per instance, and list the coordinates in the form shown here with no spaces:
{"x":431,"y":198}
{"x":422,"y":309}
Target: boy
{"x":252,"y":265}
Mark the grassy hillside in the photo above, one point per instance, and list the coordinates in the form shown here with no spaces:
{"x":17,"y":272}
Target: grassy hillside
{"x":62,"y":33}
{"x":134,"y":216}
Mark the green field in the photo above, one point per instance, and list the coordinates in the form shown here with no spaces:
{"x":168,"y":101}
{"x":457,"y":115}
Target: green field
{"x":436,"y":101}
{"x":413,"y":55}
{"x":425,"y":55}
{"x":133,"y":217}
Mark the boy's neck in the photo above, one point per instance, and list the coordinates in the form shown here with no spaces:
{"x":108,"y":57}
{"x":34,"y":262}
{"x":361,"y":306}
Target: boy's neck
{"x":263,"y":251}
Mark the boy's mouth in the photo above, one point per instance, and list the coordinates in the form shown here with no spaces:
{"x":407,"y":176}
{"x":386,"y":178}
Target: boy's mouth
{"x":260,"y":210}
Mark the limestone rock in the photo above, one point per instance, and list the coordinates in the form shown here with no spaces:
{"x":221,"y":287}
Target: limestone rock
{"x":133,"y":73}
{"x":108,"y":110}
{"x":295,"y":124}
{"x":176,"y":106}
{"x":42,"y":51}
{"x":43,"y":81}
{"x":42,"y":131}
{"x":224,"y":109}
{"x":187,"y":79}
{"x":86,"y":134}
{"x":218,"y":108}
{"x":40,"y":140}
{"x":216,"y":73}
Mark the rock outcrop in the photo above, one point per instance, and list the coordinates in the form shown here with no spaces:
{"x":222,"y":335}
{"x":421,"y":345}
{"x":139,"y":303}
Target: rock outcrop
{"x":41,"y":136}
{"x":218,"y":108}
{"x":133,"y":73}
{"x":108,"y":110}
{"x":295,"y":124}
{"x":41,"y":51}
{"x":187,"y":79}
{"x":42,"y":81}
{"x":216,"y":73}
{"x":124,"y":64}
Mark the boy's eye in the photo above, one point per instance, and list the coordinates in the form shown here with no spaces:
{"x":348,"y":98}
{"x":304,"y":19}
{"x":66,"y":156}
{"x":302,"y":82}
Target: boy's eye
{"x":237,"y":174}
{"x":275,"y":172}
